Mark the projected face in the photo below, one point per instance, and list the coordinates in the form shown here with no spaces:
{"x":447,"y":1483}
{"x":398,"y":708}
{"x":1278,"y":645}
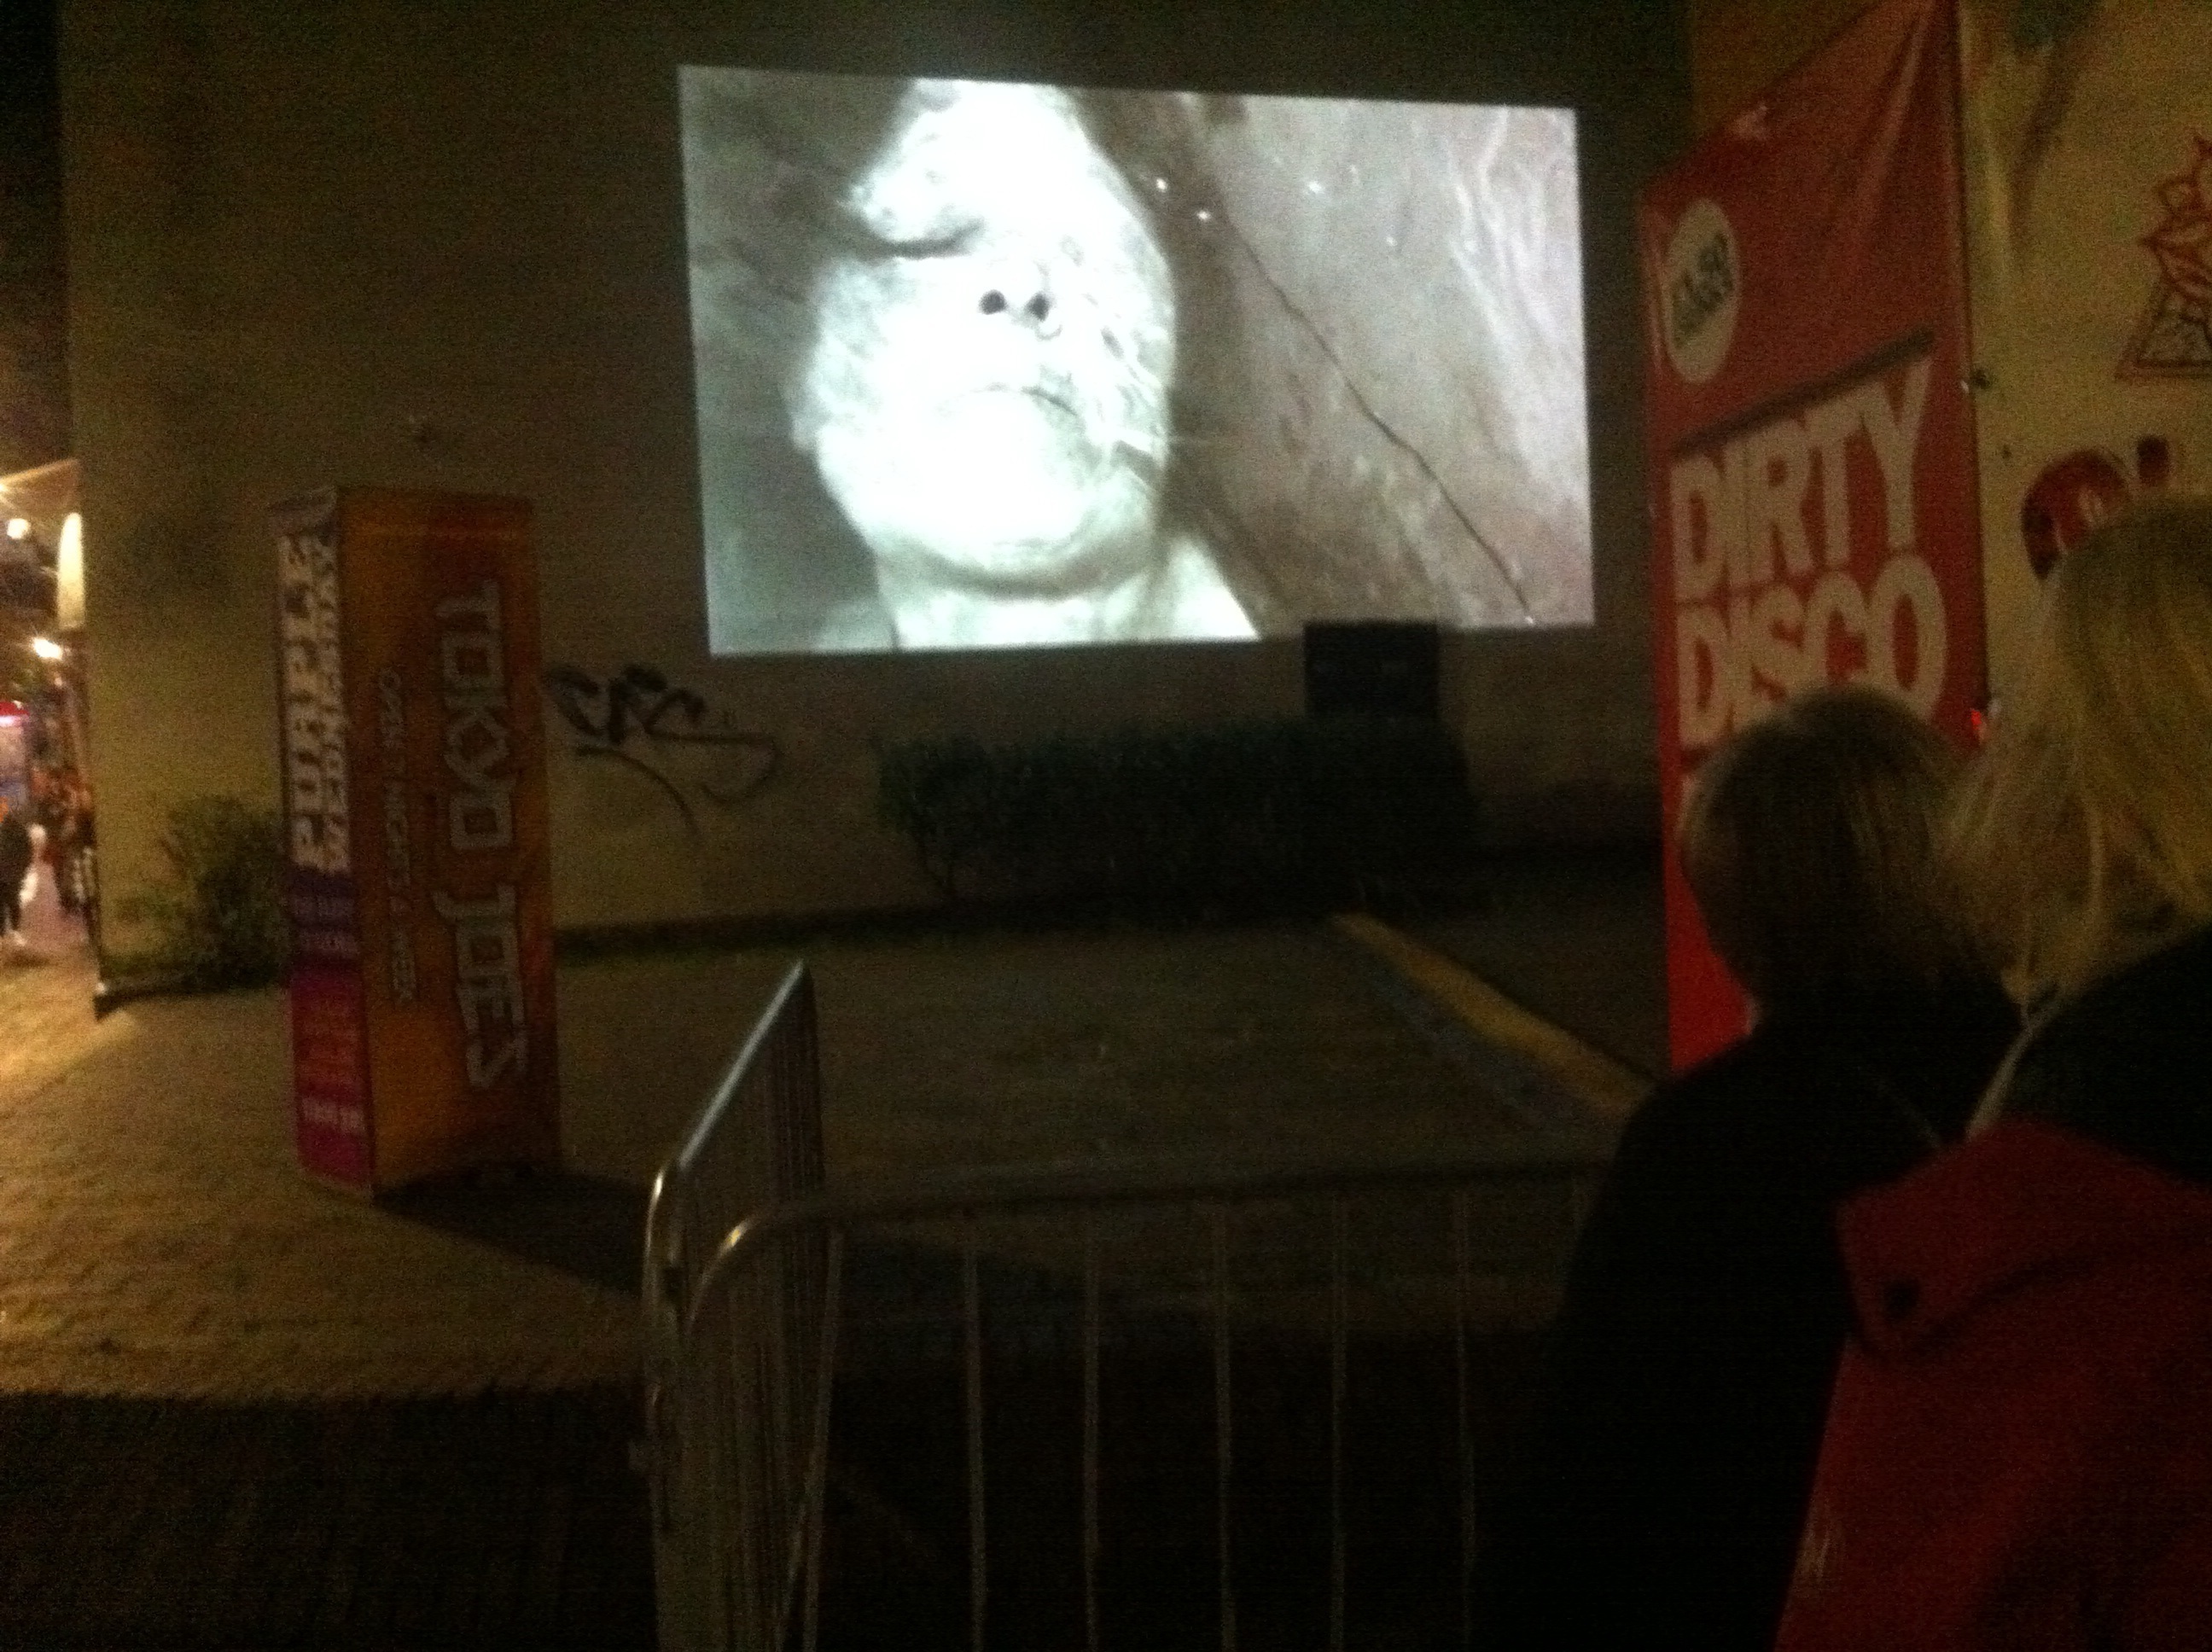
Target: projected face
{"x":984,"y":365}
{"x":986,"y":393}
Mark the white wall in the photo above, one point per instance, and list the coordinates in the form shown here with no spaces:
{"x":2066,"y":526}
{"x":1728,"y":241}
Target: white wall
{"x":426,"y":244}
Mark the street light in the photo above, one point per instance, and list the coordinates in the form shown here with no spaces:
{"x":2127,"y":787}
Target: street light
{"x":46,"y":649}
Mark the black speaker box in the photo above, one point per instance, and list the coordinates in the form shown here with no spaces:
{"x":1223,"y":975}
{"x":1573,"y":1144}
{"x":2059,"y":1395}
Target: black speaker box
{"x":1371,"y":668}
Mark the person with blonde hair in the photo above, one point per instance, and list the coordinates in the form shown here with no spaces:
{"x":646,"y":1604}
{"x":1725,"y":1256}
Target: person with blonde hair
{"x":1688,"y":1369}
{"x":2018,"y":1452}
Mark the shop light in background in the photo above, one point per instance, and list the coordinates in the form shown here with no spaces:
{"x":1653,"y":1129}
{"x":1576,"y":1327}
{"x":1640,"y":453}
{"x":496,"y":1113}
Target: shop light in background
{"x":46,"y":649}
{"x":69,"y":574}
{"x":41,"y":552}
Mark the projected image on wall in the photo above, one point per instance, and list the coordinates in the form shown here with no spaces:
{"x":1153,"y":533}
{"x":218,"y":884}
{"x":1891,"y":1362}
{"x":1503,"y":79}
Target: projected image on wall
{"x":987,"y":365}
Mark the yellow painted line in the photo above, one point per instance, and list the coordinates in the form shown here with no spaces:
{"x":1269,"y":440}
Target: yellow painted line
{"x":1595,"y":1079}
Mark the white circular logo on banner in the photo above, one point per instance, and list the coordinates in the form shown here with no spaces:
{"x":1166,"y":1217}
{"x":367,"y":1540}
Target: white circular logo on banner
{"x":1703,"y":279}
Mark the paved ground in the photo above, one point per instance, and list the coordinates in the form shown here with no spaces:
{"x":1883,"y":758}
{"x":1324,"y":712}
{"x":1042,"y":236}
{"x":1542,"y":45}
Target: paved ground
{"x":250,"y":1411}
{"x":156,"y":1239}
{"x":238,"y":1412}
{"x":1578,"y":936}
{"x":508,"y":1521}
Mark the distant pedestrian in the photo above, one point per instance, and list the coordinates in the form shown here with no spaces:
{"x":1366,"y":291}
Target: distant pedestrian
{"x":69,"y":838}
{"x":50,"y":813}
{"x":84,"y":874}
{"x":15,"y":852}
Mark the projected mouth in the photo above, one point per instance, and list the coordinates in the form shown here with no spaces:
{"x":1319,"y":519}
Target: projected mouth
{"x":1061,"y":405}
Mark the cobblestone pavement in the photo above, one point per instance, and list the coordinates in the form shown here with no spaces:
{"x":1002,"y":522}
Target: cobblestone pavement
{"x":156,"y":1239}
{"x":154,"y":1243}
{"x":1578,"y":935}
{"x":238,"y":1409}
{"x":505,"y":1520}
{"x":967,"y":1049}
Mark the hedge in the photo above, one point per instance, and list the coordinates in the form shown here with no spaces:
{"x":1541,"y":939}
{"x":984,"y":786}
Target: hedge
{"x":1274,"y":815}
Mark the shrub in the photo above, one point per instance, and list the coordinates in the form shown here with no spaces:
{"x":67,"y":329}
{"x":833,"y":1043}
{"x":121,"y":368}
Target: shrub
{"x":219,"y":917}
{"x":1268,"y":816}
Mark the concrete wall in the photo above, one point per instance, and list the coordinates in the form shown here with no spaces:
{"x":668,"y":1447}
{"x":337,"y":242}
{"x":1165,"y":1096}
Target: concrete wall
{"x":425,"y":245}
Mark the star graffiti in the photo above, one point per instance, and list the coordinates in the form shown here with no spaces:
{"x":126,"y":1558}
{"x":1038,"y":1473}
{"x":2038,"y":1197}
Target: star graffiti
{"x":2175,"y":339}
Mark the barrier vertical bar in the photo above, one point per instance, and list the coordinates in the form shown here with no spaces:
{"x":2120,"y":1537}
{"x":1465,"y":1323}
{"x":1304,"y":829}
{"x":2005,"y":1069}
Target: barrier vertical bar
{"x":1339,"y":1220}
{"x":1222,"y":1452}
{"x":817,"y":1466}
{"x":1461,"y":1283}
{"x":972,"y":1313}
{"x":1091,"y":1334}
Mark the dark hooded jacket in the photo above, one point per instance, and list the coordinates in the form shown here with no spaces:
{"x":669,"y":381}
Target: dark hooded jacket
{"x":1679,"y":1410}
{"x":15,"y":849}
{"x":2019,"y":1454}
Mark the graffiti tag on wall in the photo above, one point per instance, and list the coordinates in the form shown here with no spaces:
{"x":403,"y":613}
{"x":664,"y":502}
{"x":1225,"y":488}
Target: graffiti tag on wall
{"x":639,"y":718}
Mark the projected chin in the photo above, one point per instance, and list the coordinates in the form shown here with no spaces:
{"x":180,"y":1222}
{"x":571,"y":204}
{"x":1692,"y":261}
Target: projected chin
{"x":987,"y":389}
{"x":1009,"y":493}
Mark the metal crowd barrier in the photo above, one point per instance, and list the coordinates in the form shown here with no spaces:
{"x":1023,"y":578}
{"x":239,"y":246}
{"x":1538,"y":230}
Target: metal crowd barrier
{"x":723,"y":1440}
{"x":914,"y":1305}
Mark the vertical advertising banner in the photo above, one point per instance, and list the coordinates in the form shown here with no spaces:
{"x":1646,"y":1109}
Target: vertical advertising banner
{"x":416,"y":824}
{"x":1810,"y":436}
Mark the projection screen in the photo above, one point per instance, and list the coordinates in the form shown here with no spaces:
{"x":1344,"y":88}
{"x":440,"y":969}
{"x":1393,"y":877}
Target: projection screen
{"x":985,"y":365}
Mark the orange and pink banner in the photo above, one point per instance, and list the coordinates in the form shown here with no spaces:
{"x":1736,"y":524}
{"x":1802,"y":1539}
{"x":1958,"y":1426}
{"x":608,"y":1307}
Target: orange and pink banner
{"x":416,"y":818}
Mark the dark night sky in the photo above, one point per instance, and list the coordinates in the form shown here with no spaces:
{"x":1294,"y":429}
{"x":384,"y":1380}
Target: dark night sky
{"x":34,"y":408}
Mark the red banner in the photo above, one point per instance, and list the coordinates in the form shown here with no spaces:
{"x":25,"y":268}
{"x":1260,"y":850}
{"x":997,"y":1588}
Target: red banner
{"x":416,"y":814}
{"x":1811,"y":436}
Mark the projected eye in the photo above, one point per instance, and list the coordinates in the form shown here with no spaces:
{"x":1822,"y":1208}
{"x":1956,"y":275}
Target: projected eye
{"x":1038,"y":307}
{"x":992,"y":303}
{"x":874,"y":245}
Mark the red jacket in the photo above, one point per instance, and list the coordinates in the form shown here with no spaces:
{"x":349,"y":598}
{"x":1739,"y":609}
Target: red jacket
{"x":2019,"y":1453}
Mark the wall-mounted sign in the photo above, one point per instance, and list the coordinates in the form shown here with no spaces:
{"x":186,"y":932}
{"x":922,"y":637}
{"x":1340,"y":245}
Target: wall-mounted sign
{"x":416,"y":824}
